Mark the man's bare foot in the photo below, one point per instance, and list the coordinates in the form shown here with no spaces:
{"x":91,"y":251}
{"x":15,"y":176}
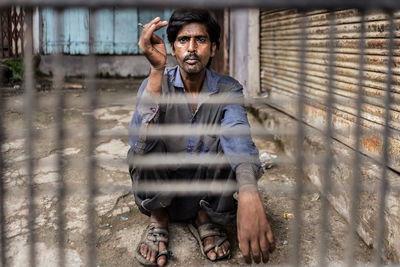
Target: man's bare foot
{"x":222,"y":250}
{"x":158,"y":218}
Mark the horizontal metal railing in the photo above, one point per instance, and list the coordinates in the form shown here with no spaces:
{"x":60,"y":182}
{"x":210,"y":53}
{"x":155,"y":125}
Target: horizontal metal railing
{"x":306,"y":4}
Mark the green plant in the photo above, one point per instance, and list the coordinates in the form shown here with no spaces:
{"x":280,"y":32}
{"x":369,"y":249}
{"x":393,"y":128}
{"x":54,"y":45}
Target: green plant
{"x":16,"y":70}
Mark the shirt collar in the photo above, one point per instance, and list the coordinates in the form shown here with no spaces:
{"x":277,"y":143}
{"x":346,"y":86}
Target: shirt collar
{"x":211,"y":80}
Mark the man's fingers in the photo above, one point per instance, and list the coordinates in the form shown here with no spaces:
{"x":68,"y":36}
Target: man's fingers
{"x":264,"y":248}
{"x":149,"y":28}
{"x":155,"y":39}
{"x":245,"y":249}
{"x":151,"y":22}
{"x":148,"y":32}
{"x":161,"y":24}
{"x":148,"y":38}
{"x":255,"y":251}
{"x":270,"y":239}
{"x":154,"y":25}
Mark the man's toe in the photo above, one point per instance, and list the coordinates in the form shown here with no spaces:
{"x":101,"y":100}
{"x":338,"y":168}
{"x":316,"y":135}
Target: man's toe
{"x":143,"y":250}
{"x":162,"y":260}
{"x":226,"y":247}
{"x":220,"y":252}
{"x":148,"y":255}
{"x":153,"y":256}
{"x":211,"y":255}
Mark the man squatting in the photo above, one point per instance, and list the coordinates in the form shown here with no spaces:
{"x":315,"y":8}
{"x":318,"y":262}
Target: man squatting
{"x":194,"y":37}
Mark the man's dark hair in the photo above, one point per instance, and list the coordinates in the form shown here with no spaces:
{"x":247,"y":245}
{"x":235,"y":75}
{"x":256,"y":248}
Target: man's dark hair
{"x":182,"y":17}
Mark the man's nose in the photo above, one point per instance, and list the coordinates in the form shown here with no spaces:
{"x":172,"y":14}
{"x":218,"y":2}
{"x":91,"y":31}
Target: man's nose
{"x":192,"y":45}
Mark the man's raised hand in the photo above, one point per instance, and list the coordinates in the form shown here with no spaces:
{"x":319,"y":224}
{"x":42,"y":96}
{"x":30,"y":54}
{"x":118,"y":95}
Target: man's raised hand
{"x":153,"y":46}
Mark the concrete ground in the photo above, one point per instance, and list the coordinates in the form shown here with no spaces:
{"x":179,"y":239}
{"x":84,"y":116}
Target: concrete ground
{"x":119,"y":224}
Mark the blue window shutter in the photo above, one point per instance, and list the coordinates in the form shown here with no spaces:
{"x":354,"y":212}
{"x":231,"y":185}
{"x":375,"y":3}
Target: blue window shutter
{"x":104,"y":31}
{"x":126,"y":31}
{"x":116,"y":30}
{"x":49,"y":31}
{"x":76,"y":31}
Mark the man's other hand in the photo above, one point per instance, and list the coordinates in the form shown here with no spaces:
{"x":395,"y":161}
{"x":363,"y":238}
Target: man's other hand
{"x":253,"y":229}
{"x":153,"y":46}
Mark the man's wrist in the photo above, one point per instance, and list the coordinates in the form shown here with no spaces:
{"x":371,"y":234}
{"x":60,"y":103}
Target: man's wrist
{"x":249,"y":188}
{"x":155,"y":81}
{"x":245,"y":175}
{"x":159,"y":68}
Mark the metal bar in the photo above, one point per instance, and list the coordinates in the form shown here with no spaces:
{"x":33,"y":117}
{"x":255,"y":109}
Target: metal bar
{"x":3,"y":242}
{"x":222,"y":98}
{"x":58,"y":85}
{"x":385,"y":147}
{"x":355,"y":188}
{"x":304,"y":4}
{"x":92,"y":103}
{"x":2,"y":32}
{"x":270,"y":188}
{"x":201,"y":130}
{"x":9,"y":35}
{"x":298,"y":222}
{"x":326,"y":183}
{"x":29,"y":100}
{"x":182,"y":159}
{"x":165,"y":130}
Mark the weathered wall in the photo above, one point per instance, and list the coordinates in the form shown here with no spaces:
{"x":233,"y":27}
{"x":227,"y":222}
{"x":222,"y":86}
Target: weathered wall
{"x":114,"y":66}
{"x":341,"y":175}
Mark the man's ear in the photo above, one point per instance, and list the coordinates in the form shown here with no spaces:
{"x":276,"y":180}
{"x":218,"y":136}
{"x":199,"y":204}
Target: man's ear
{"x":213,"y":49}
{"x":172,"y":49}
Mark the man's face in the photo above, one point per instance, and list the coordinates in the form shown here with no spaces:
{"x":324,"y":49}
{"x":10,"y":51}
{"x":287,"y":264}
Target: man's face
{"x":193,"y":48}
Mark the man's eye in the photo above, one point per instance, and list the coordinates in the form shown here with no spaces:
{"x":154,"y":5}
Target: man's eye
{"x":201,"y":39}
{"x":183,"y":39}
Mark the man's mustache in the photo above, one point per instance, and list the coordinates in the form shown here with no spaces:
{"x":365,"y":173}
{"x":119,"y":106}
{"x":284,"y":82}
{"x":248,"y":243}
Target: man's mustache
{"x":191,"y":56}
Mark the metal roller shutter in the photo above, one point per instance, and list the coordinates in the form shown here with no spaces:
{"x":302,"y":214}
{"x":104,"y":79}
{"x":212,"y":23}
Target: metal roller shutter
{"x":280,"y":61}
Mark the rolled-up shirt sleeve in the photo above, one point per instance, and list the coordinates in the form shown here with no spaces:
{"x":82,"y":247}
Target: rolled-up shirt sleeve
{"x":147,"y":110}
{"x":240,"y":150}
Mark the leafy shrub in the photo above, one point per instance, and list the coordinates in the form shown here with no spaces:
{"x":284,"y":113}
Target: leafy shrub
{"x":15,"y":70}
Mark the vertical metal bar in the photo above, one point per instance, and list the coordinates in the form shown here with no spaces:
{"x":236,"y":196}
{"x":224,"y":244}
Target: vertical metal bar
{"x":22,"y":29}
{"x":385,"y":147}
{"x":14,"y":35}
{"x":29,"y":139}
{"x":326,"y":183}
{"x":3,"y":235}
{"x":298,"y":222}
{"x":92,"y":103}
{"x":58,"y":71}
{"x":9,"y":36}
{"x":355,"y":188}
{"x":2,"y":32}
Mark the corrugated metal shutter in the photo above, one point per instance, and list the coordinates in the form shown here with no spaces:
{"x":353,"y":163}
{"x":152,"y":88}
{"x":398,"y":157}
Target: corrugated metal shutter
{"x":280,"y":61}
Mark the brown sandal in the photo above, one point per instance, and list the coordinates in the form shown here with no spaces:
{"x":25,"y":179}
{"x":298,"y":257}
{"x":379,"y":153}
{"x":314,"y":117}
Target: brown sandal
{"x":151,"y":237}
{"x":206,"y":230}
